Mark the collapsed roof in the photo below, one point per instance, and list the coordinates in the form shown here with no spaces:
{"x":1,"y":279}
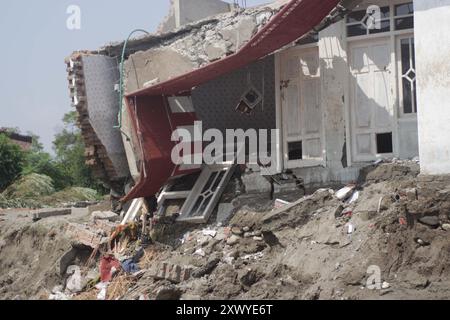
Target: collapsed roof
{"x":179,"y":60}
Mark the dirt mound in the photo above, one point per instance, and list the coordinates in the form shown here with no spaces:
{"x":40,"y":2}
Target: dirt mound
{"x":29,"y":258}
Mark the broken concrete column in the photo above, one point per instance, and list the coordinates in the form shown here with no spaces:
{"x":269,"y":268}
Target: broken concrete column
{"x":47,"y":213}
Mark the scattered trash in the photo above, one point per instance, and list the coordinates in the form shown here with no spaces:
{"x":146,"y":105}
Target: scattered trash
{"x":350,"y":228}
{"x":377,"y":162}
{"x":103,"y":287}
{"x":402,"y":221}
{"x":129,"y":266}
{"x":187,"y":237}
{"x":108,"y":267}
{"x":200,"y":252}
{"x":385,"y":285}
{"x":344,"y":193}
{"x":208,"y":232}
{"x":353,"y":198}
{"x":379,"y":205}
{"x":255,"y":256}
{"x":74,"y":282}
{"x":58,"y":294}
{"x":280,"y":203}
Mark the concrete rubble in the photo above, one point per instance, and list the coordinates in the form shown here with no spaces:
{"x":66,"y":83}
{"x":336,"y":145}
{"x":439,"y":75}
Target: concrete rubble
{"x":281,"y":252}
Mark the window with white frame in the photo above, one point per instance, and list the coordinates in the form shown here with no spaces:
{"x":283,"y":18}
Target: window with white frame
{"x":404,"y":16}
{"x":408,"y":75}
{"x":377,"y":19}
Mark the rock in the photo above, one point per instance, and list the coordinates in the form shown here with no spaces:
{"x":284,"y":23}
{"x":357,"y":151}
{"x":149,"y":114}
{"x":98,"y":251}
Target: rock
{"x":216,"y":51}
{"x":446,"y":226}
{"x":432,"y":221}
{"x":206,"y":269}
{"x":339,"y":211}
{"x":234,"y":239}
{"x":248,"y":235}
{"x":236,"y":231}
{"x":168,"y":293}
{"x":422,"y":242}
{"x":105,"y":215}
{"x":385,"y":285}
{"x":258,"y":238}
{"x":249,"y":277}
{"x":246,"y":229}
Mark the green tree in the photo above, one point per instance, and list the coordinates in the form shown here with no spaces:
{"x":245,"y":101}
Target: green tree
{"x":40,"y":162}
{"x":69,"y":149}
{"x":12,"y":160}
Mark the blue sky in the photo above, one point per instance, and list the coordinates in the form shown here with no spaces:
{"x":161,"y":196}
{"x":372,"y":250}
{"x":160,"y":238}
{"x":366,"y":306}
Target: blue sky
{"x":35,"y":41}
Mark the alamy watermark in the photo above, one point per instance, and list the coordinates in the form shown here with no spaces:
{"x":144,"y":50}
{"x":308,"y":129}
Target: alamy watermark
{"x":212,"y":146}
{"x":73,"y":21}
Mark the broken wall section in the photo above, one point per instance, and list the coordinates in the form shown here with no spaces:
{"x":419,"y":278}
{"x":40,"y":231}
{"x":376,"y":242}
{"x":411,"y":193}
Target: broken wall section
{"x":202,"y":45}
{"x":186,"y":11}
{"x":91,"y":83}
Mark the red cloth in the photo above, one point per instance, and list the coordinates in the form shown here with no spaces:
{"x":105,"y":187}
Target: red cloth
{"x":106,"y":265}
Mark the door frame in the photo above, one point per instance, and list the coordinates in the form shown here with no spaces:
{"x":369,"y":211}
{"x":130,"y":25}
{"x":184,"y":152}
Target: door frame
{"x":393,"y":103}
{"x":283,"y":162}
{"x":392,"y":34}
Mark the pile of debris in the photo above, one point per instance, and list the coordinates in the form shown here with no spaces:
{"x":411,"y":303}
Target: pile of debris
{"x":384,"y":237}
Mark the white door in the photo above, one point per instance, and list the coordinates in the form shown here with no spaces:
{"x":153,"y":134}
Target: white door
{"x":371,"y":105}
{"x":300,"y":108}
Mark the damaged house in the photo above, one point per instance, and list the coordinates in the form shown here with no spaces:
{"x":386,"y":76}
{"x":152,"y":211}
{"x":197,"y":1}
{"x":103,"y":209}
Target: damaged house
{"x":346,"y":83}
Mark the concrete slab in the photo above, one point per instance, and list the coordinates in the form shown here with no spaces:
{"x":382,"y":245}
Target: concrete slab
{"x":224,"y":212}
{"x":47,"y":213}
{"x":105,"y":215}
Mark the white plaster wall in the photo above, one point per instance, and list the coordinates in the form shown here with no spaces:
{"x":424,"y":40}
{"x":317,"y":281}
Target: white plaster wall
{"x":432,"y":34}
{"x":334,"y":77}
